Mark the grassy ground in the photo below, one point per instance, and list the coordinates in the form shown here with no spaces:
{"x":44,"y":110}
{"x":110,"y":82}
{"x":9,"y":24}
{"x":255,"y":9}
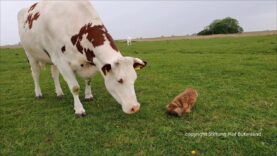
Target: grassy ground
{"x":236,"y":79}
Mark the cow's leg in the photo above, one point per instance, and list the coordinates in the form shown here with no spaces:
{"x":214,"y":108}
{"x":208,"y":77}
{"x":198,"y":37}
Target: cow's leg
{"x":73,"y":85}
{"x":88,"y":94}
{"x":55,"y":76}
{"x":35,"y":74}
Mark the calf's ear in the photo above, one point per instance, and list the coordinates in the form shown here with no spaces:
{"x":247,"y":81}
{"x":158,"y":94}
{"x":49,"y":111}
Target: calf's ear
{"x":139,"y":64}
{"x":106,"y":68}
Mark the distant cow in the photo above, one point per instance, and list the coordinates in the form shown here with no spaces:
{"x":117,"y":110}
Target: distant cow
{"x":129,"y":40}
{"x":74,"y":40}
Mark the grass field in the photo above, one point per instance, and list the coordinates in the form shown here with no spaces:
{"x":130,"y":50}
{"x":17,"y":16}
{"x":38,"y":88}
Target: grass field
{"x":236,"y":79}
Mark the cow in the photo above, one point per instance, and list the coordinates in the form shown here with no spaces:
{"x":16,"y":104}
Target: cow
{"x":71,"y":37}
{"x":129,"y":41}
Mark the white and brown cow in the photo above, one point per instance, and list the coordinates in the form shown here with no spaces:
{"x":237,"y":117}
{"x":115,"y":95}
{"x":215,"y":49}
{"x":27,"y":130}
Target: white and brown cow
{"x":71,"y":36}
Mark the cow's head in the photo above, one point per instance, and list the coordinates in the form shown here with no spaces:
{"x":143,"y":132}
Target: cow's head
{"x":120,"y":78}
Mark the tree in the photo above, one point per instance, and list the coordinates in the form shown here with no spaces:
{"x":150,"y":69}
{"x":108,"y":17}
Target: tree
{"x":227,"y":25}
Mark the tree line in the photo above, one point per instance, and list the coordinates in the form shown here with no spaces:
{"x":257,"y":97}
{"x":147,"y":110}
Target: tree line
{"x":227,"y":25}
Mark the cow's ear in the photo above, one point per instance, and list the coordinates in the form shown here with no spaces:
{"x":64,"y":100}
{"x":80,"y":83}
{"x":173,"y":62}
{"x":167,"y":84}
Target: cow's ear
{"x":106,"y":68}
{"x":139,"y":64}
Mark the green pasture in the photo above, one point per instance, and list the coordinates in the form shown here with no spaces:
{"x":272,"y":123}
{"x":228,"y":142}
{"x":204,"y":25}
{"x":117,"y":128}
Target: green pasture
{"x":236,"y":78}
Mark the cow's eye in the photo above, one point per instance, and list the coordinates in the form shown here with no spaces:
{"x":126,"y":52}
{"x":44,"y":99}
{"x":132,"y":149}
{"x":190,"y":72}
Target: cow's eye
{"x":120,"y":81}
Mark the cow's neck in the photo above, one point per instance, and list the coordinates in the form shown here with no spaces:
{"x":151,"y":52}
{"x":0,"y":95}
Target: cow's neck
{"x":105,"y":55}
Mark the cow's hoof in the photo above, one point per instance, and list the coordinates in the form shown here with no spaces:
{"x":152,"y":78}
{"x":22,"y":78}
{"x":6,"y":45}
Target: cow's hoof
{"x":39,"y":97}
{"x":80,"y":115}
{"x":60,"y":96}
{"x":89,"y":99}
{"x":80,"y":112}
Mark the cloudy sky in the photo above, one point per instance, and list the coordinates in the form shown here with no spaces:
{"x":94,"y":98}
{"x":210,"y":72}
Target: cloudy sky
{"x":158,"y":17}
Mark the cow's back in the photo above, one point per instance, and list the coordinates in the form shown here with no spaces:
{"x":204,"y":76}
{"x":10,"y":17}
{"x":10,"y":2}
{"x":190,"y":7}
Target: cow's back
{"x":46,"y":26}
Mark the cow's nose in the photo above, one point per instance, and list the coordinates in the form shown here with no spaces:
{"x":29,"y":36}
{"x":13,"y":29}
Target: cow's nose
{"x":135,"y":109}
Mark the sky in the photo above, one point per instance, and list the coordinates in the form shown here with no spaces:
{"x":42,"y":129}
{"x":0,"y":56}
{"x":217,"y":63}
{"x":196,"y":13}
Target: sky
{"x":155,"y":18}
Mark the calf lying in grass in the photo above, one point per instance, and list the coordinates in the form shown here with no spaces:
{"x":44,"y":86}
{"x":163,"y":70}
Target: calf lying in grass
{"x":182,"y":103}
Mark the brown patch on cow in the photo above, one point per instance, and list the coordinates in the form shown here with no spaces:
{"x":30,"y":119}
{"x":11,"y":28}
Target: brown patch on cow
{"x":79,"y":47}
{"x":182,"y":103}
{"x":32,"y":7}
{"x":75,"y":90}
{"x":89,"y":54}
{"x":95,"y":35}
{"x":74,"y":39}
{"x":63,"y":49}
{"x":109,"y":37}
{"x":31,"y":18}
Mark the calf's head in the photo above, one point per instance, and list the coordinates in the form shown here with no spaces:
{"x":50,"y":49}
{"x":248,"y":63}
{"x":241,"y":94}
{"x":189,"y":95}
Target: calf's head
{"x":119,"y":80}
